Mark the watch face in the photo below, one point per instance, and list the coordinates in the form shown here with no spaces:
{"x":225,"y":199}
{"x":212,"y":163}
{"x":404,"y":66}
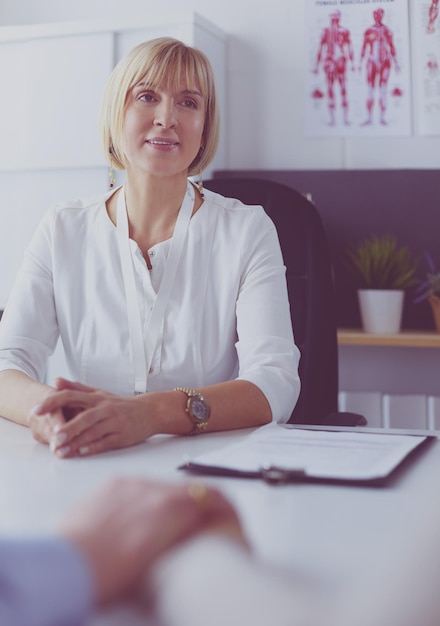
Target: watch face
{"x":199,"y":409}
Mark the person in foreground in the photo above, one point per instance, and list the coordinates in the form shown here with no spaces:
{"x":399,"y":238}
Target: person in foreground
{"x":170,"y":301}
{"x":102,"y":549}
{"x":177,"y":555}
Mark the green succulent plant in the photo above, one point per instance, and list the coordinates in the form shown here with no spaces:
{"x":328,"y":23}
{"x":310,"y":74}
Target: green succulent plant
{"x":379,"y":262}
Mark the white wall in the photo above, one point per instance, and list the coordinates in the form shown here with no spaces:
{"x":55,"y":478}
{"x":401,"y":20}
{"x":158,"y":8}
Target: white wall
{"x":266,"y":64}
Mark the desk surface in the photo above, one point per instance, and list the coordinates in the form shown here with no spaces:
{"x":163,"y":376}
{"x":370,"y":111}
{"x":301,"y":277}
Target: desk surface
{"x":323,"y":531}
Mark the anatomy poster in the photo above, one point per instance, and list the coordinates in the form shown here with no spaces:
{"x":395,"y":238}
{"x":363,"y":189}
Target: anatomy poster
{"x":358,"y":68}
{"x":425,"y":37}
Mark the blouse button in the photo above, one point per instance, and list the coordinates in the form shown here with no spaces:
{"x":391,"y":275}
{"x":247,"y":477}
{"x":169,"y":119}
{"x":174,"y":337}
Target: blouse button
{"x":151,"y":253}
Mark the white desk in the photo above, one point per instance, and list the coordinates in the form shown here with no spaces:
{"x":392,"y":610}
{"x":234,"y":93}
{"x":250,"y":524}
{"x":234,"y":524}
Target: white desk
{"x":326,"y":532}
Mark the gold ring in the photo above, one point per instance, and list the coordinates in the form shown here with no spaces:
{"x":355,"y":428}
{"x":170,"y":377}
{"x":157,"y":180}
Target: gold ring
{"x":199,"y":493}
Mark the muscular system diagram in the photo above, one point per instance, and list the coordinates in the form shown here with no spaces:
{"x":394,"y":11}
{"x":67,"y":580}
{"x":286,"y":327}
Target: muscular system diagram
{"x":334,"y":49}
{"x":432,"y":16}
{"x":378,"y":48}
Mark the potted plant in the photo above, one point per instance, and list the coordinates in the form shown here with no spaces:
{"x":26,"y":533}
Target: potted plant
{"x":383,"y":270}
{"x":429,"y":289}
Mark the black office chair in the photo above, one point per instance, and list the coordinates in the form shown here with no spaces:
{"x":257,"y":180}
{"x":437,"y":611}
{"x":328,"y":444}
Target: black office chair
{"x":311,"y":293}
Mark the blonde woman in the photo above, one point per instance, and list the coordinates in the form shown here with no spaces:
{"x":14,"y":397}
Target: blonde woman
{"x":171,"y":302}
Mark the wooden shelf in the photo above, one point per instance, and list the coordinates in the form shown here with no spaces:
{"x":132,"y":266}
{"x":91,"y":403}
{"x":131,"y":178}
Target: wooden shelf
{"x":404,"y":339}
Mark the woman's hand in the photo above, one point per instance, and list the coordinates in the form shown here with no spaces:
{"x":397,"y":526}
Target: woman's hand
{"x":45,"y":425}
{"x":93,"y":420}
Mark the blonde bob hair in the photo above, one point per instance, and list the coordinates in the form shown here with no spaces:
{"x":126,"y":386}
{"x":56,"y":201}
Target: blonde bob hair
{"x":163,"y":62}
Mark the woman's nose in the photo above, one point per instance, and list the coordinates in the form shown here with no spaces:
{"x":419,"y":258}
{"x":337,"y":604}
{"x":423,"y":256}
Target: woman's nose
{"x":165,"y":114}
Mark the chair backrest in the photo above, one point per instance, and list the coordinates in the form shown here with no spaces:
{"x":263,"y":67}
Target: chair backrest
{"x":310,"y":285}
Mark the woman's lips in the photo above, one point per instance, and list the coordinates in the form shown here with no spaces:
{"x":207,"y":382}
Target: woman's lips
{"x":162,"y":142}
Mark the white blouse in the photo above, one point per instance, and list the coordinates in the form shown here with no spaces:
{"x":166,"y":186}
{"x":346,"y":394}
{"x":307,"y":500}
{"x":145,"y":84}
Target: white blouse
{"x":227,"y":317}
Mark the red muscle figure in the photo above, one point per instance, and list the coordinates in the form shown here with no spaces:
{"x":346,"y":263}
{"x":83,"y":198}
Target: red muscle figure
{"x":433,"y":14}
{"x":336,"y":42}
{"x":378,"y":44}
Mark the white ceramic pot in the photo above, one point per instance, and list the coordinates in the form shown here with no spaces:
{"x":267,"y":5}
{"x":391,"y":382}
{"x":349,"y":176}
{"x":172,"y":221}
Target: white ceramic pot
{"x":381,"y":310}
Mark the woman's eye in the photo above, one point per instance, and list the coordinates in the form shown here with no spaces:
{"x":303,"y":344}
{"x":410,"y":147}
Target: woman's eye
{"x":189,"y":103}
{"x":146,"y":97}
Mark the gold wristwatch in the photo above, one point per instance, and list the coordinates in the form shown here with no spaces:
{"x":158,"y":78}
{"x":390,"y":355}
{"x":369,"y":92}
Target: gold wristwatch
{"x":197,"y":408}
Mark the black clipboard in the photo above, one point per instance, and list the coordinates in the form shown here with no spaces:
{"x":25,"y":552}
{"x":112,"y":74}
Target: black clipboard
{"x":276,"y":474}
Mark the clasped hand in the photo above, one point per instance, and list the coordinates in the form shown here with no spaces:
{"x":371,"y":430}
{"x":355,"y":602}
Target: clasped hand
{"x":123,"y":528}
{"x":77,"y":420}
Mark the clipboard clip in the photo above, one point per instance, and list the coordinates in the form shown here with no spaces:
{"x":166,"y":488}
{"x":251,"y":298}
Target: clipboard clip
{"x":275,"y":475}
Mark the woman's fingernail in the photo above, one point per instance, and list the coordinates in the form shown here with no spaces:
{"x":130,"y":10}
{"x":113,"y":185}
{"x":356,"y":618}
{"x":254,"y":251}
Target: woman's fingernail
{"x":36,"y":409}
{"x":59,"y":439}
{"x":84,"y":450}
{"x":62,"y":451}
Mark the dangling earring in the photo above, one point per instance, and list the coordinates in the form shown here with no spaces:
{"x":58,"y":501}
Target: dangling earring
{"x":111,"y":174}
{"x":199,"y":185}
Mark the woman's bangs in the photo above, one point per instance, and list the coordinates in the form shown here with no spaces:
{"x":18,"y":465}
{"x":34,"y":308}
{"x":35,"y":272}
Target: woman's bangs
{"x":175,"y":74}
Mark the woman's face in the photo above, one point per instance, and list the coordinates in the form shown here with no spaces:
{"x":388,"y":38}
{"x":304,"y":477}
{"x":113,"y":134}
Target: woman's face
{"x":163,"y":129}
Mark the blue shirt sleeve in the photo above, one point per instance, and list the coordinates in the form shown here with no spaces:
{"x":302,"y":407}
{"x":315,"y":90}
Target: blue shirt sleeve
{"x":43,"y":582}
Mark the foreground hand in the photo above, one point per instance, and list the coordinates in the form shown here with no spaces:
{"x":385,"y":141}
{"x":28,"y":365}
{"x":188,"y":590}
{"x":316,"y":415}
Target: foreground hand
{"x":96,"y":420}
{"x":129,"y":523}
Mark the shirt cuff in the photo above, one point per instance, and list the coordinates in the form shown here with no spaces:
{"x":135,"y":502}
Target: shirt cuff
{"x":43,"y":582}
{"x":213,"y":580}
